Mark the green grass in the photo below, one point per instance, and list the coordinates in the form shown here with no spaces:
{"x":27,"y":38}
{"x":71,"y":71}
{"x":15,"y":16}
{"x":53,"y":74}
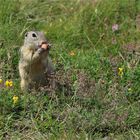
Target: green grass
{"x":99,"y":104}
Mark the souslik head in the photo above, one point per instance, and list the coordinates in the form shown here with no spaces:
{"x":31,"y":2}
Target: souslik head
{"x":35,"y":39}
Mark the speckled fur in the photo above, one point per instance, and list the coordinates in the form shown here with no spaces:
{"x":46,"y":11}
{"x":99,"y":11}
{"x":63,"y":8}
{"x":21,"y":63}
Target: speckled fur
{"x":34,"y":62}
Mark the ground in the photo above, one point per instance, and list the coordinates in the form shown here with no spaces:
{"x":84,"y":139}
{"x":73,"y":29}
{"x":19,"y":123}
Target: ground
{"x":96,"y":53}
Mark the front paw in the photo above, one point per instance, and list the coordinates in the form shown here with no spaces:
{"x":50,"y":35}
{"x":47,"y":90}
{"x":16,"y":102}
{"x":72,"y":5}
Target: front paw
{"x":41,"y":50}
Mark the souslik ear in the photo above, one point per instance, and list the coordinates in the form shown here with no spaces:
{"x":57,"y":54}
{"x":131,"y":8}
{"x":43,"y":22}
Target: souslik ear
{"x":26,"y":34}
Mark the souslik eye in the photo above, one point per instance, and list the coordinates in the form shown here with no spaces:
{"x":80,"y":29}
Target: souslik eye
{"x":34,"y":35}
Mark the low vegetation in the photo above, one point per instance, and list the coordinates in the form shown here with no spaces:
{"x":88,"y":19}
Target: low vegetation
{"x":96,"y":55}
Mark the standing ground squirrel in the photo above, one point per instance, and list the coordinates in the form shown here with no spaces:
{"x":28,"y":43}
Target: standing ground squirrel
{"x":34,"y":61}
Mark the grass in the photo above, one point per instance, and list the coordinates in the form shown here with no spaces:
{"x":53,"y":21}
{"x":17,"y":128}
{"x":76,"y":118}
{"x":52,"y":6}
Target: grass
{"x":99,"y":103}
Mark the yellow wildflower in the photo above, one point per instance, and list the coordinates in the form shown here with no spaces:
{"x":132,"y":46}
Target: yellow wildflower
{"x":15,"y":99}
{"x":9,"y":83}
{"x":72,"y":53}
{"x":120,"y":72}
{"x":0,"y":81}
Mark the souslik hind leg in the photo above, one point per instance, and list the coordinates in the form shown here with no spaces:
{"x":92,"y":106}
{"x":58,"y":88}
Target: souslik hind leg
{"x":24,"y":85}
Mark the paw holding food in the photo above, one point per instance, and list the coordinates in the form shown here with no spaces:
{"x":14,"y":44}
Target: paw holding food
{"x":44,"y":46}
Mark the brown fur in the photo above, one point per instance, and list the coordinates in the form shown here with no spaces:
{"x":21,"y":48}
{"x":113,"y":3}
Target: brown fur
{"x":34,"y":62}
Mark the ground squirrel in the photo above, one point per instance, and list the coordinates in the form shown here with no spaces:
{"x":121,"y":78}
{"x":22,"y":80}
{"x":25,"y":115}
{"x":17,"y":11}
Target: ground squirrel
{"x":34,"y":62}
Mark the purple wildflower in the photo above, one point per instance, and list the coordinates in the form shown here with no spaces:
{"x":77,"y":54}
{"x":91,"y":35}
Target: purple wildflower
{"x":115,"y":27}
